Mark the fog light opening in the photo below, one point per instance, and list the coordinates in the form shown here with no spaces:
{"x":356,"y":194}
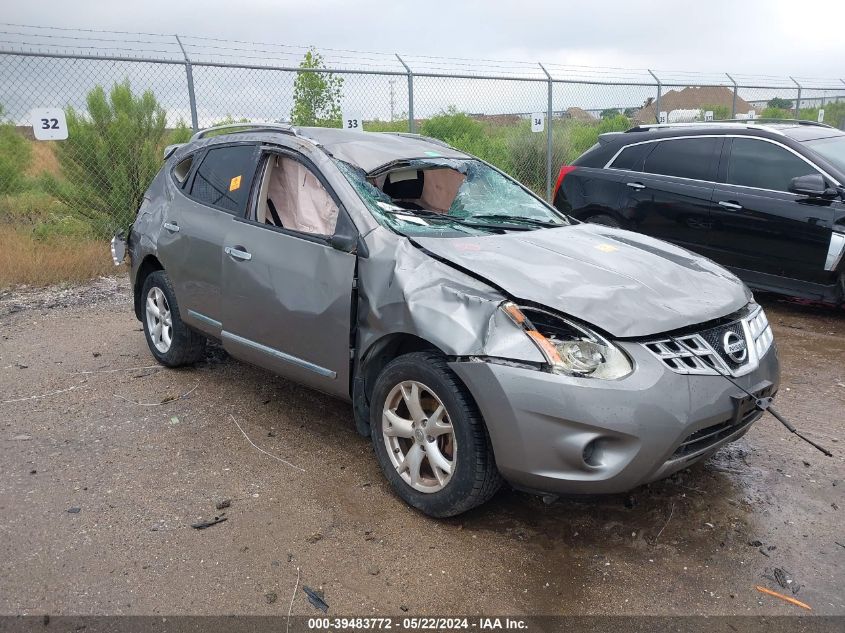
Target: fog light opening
{"x":592,"y":453}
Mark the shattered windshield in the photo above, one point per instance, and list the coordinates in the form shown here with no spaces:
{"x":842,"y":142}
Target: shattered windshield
{"x":449,"y":198}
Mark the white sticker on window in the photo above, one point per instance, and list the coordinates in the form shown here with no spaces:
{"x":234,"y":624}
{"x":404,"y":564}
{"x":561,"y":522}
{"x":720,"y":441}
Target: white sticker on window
{"x":352,"y":120}
{"x":49,"y":124}
{"x":538,"y":122}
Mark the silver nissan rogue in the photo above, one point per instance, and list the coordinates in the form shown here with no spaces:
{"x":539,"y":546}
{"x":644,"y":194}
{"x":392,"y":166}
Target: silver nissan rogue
{"x":480,"y":334}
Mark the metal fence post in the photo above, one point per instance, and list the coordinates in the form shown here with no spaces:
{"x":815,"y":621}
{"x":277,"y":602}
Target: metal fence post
{"x":190,"y":74}
{"x":548,"y":136}
{"x":798,"y":100}
{"x":657,"y":103}
{"x":733,"y":106}
{"x":411,"y":123}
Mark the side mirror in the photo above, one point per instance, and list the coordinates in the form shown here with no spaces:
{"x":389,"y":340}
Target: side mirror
{"x":811,"y":185}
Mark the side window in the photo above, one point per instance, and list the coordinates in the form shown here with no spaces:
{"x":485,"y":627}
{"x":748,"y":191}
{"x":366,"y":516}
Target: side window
{"x":292,"y":197}
{"x":224,"y":178}
{"x":631,"y":158}
{"x":684,"y":157}
{"x":764,"y":165}
{"x":182,"y":169}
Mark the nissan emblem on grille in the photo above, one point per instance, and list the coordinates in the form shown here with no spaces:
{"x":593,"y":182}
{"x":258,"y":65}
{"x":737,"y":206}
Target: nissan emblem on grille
{"x":735,"y":347}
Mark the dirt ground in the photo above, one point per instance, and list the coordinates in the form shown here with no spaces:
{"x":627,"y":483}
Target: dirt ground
{"x":100,"y":483}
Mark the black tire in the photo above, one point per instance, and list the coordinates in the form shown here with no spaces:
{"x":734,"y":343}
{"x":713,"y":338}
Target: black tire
{"x":187,"y":346}
{"x":605,"y":220}
{"x":474,"y":478}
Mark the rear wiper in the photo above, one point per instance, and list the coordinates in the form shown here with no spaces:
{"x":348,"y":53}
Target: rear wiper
{"x":520,"y":219}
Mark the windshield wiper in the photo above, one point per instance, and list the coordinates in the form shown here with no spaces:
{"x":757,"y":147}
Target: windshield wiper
{"x":520,"y":219}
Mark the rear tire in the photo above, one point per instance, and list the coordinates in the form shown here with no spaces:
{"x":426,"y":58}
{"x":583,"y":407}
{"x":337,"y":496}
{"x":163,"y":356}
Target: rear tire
{"x":172,"y":342}
{"x":605,"y":220}
{"x":429,"y":437}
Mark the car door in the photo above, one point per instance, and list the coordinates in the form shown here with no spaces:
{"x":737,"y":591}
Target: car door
{"x":670,"y":196}
{"x":217,"y":191}
{"x":758,"y":225}
{"x":288,"y":289}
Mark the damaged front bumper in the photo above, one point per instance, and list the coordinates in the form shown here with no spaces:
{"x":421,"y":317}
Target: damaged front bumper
{"x":558,"y":434}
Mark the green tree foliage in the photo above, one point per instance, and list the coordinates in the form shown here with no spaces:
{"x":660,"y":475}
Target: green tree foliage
{"x":316,"y":95}
{"x":780,"y":103}
{"x":111,"y":154}
{"x":720,"y":112}
{"x":609,"y":113}
{"x":465,"y":133}
{"x":15,"y":156}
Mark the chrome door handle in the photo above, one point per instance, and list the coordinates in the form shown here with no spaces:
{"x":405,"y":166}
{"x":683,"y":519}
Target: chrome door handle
{"x":238,"y":254}
{"x":635,"y":185}
{"x":171,"y":226}
{"x":730,"y":205}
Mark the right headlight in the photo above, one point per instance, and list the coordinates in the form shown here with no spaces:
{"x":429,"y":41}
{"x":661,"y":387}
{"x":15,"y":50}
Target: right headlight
{"x":570,"y":348}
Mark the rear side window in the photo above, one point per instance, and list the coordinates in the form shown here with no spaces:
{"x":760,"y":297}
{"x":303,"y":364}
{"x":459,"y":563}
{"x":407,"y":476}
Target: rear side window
{"x":631,"y":158}
{"x":225,"y":176}
{"x":764,"y":165}
{"x":684,"y":157}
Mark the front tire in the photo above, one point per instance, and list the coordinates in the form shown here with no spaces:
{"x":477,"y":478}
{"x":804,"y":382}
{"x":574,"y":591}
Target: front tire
{"x":171,"y":341}
{"x":429,"y":437}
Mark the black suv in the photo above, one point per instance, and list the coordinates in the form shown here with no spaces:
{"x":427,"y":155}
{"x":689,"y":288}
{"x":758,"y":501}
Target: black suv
{"x":764,"y":198}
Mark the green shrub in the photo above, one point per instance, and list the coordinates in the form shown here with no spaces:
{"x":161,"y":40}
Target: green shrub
{"x":56,"y":225}
{"x":29,"y":207}
{"x":112,"y":153}
{"x":15,"y":156}
{"x":720,"y":112}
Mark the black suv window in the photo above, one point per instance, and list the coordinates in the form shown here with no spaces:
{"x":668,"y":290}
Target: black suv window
{"x":225,"y":176}
{"x":683,"y":157}
{"x":763,"y":165}
{"x":631,"y":158}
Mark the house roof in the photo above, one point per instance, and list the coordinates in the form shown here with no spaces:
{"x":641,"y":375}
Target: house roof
{"x":691,"y":98}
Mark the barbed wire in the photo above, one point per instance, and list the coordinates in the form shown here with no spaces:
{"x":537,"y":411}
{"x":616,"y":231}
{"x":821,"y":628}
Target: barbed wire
{"x":27,"y":38}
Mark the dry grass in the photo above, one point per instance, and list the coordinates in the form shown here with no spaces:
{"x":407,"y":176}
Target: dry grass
{"x":44,"y":159}
{"x":25,"y":260}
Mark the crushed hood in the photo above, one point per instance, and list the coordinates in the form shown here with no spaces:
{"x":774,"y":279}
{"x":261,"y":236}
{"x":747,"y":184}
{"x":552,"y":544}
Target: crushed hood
{"x":627,"y":284}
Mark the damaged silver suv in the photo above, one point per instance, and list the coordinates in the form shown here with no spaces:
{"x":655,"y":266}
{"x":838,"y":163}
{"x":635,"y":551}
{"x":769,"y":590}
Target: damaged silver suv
{"x":479,"y":333}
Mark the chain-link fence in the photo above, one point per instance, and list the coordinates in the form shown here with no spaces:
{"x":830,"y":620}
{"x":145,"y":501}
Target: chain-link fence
{"x":124,"y":96}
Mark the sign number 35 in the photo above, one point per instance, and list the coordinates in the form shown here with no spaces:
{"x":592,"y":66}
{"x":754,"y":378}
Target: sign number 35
{"x":49,"y":124}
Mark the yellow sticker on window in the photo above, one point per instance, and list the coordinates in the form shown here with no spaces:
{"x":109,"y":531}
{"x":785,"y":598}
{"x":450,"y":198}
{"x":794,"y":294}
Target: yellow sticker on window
{"x":235,"y":183}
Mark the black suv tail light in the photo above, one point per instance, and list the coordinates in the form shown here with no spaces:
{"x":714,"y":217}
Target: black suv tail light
{"x":566,"y":169}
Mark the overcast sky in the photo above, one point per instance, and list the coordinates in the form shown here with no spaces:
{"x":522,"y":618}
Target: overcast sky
{"x":775,"y":37}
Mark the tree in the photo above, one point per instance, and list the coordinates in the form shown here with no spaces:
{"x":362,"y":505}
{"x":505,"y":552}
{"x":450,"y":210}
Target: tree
{"x":780,"y":103}
{"x":111,"y":155}
{"x":316,"y":95}
{"x":609,"y":113}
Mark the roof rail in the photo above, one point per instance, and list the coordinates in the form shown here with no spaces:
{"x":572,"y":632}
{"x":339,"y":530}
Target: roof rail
{"x":765,"y":120}
{"x":235,"y":128}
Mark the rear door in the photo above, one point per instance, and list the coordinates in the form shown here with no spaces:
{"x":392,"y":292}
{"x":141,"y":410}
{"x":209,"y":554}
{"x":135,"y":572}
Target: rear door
{"x":217,"y":192}
{"x":288,"y":291}
{"x":758,"y":225}
{"x":669,"y":197}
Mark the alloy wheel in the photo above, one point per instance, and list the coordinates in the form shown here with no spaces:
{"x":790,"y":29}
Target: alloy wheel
{"x":419,"y":436}
{"x":159,"y":320}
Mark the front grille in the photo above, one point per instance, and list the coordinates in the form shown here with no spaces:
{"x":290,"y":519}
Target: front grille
{"x":705,"y":353}
{"x":715,"y":338}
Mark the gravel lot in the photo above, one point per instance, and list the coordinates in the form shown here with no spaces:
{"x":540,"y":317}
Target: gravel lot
{"x":100,"y":482}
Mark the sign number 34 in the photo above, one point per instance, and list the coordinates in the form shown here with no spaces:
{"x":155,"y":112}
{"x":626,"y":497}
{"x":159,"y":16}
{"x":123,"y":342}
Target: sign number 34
{"x":49,"y":124}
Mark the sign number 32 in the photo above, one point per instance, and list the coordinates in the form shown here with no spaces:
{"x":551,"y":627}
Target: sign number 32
{"x":49,"y":124}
